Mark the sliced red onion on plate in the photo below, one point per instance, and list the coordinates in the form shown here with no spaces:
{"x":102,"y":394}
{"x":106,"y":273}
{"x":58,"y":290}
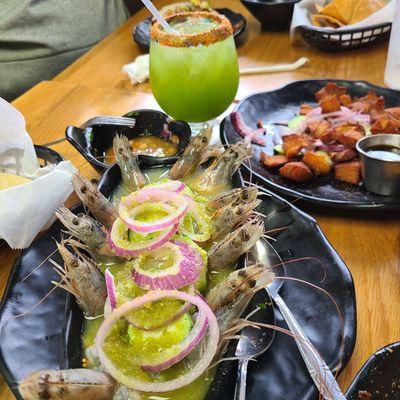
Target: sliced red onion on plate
{"x":187,"y":345}
{"x":183,"y":267}
{"x":198,"y":369}
{"x":120,"y":243}
{"x":172,"y":185}
{"x":111,"y":289}
{"x":170,"y":205}
{"x":246,"y":131}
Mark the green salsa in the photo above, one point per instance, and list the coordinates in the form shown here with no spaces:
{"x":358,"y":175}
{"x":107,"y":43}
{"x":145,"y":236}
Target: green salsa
{"x":126,"y":345}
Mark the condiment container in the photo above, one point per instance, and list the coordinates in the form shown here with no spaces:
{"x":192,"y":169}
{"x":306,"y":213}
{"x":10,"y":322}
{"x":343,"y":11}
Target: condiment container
{"x":380,"y":163}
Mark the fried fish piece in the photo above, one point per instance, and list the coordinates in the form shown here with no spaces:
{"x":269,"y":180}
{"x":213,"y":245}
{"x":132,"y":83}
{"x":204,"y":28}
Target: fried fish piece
{"x":296,"y":171}
{"x":349,"y":172}
{"x":273,"y":161}
{"x":319,"y":161}
{"x":293,"y":144}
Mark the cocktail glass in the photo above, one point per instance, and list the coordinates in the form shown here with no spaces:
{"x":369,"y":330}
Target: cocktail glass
{"x":194,"y":71}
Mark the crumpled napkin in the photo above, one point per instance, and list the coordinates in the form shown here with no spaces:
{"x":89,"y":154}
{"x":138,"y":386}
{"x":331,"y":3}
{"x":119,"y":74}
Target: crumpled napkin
{"x":138,"y":71}
{"x":26,"y":209}
{"x":304,"y":9}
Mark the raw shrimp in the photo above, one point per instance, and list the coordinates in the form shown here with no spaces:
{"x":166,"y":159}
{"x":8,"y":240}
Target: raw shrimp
{"x":128,"y":163}
{"x":97,"y":203}
{"x":223,"y":167}
{"x":87,"y":230}
{"x":81,"y":277}
{"x":234,"y":197}
{"x":230,"y":298}
{"x":192,"y":155}
{"x":223,"y":255}
{"x":227,"y":218}
{"x":70,"y":384}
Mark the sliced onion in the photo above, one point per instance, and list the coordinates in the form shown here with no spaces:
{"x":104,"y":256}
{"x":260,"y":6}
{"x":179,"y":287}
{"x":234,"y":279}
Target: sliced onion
{"x":331,"y":147}
{"x":111,"y":289}
{"x":188,"y":344}
{"x":125,"y":248}
{"x":168,"y":184}
{"x":174,"y":204}
{"x":173,"y":384}
{"x":184,"y":309}
{"x":246,"y":131}
{"x":186,"y":269}
{"x":335,"y":118}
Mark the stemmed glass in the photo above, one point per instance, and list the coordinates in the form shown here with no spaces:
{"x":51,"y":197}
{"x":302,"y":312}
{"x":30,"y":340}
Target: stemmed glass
{"x":194,"y":72}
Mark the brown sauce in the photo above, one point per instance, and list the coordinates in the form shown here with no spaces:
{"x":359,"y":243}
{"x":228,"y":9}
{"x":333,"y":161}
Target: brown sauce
{"x":384,"y":152}
{"x":148,"y":145}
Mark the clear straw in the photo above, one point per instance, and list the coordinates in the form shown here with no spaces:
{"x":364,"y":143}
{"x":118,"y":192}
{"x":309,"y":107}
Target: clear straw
{"x":157,"y":16}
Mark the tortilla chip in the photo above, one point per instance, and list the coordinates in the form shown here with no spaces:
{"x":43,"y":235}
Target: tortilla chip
{"x":341,"y":10}
{"x":10,"y":180}
{"x":326,"y":21}
{"x":363,"y":9}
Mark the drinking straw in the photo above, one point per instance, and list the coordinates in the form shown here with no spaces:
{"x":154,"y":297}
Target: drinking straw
{"x":157,"y":16}
{"x":275,"y":68}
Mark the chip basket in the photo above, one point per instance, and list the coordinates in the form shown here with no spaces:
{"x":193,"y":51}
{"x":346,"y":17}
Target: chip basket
{"x":333,"y":40}
{"x":45,"y":157}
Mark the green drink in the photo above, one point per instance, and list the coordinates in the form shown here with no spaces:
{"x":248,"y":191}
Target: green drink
{"x":194,"y":73}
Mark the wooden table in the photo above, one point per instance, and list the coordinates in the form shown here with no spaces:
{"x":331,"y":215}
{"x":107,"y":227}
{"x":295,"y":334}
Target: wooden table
{"x":94,"y":84}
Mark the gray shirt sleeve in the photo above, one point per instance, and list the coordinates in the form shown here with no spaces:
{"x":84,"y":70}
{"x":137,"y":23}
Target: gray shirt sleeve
{"x":40,"y":38}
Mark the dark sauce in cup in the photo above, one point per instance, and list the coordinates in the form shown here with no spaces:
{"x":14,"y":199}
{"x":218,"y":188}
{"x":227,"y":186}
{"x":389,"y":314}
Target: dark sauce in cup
{"x":384,"y":152}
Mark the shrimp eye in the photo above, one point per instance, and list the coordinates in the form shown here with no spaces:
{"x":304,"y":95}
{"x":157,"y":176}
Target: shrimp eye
{"x":204,"y":139}
{"x":83,"y":189}
{"x":246,"y":236}
{"x":242,"y":273}
{"x":120,"y":151}
{"x":75,"y":221}
{"x":252,"y":283}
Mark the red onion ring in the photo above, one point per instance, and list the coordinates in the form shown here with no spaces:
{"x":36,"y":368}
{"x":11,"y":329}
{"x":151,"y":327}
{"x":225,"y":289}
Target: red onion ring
{"x":246,"y":131}
{"x":173,"y":201}
{"x":172,"y":185}
{"x":185,"y":271}
{"x":173,"y":384}
{"x":111,"y":290}
{"x":188,"y":344}
{"x":125,"y":248}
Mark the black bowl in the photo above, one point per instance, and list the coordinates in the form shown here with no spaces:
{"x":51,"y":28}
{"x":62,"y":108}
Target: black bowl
{"x":93,"y":139}
{"x":274,"y":15}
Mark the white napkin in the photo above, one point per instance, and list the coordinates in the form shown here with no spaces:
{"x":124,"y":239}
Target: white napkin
{"x":304,"y":9}
{"x":138,"y":71}
{"x":27,"y":208}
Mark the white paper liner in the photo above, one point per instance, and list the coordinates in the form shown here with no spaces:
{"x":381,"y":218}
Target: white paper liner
{"x":305,"y":8}
{"x":26,"y":209}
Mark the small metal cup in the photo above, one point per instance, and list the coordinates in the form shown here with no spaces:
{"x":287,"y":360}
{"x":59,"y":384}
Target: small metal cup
{"x":380,"y":176}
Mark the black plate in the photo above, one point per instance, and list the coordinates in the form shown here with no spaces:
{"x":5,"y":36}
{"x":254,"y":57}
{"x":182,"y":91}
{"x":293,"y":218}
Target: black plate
{"x":380,"y":375}
{"x":282,"y":105}
{"x":141,"y":32}
{"x":49,"y":335}
{"x":93,"y":140}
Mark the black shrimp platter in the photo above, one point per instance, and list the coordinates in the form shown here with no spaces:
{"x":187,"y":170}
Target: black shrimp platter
{"x":117,"y":271}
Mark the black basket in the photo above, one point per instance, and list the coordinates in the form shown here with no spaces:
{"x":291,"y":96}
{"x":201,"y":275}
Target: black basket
{"x":333,"y":40}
